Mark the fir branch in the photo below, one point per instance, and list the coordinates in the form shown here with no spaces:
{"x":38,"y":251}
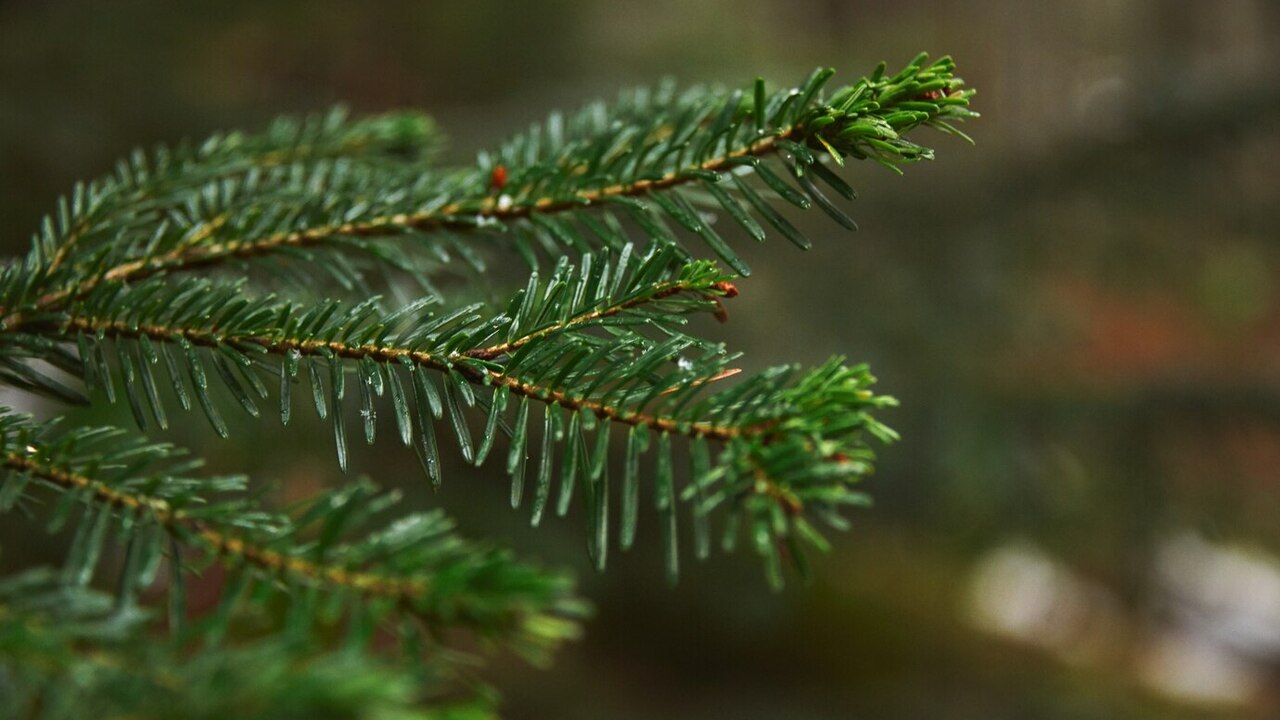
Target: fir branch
{"x":656,"y":149}
{"x":65,"y":648}
{"x":461,"y":215}
{"x":488,"y":592}
{"x":385,"y":353}
{"x":216,"y":540}
{"x":868,"y":122}
{"x":581,"y":343}
{"x":789,"y":442}
{"x":599,"y":344}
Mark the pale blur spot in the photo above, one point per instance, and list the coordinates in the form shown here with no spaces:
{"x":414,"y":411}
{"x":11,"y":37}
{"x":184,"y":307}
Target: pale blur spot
{"x":1219,"y":621}
{"x":1225,"y":607}
{"x":1021,"y":593}
{"x":1192,"y":668}
{"x":1230,"y":595}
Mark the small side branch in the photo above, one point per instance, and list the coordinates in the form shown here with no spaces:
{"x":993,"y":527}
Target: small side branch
{"x":659,"y":291}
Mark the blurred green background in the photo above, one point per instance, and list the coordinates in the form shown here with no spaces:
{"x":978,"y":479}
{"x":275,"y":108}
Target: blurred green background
{"x":1080,"y":316}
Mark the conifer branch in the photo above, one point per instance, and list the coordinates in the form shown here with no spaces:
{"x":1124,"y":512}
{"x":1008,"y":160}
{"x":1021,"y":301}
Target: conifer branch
{"x":476,"y":374}
{"x":390,"y":569}
{"x":667,"y":145}
{"x":457,"y":216}
{"x":461,"y":216}
{"x":574,"y":344}
{"x":218,"y":541}
{"x":865,"y":129}
{"x":65,"y":648}
{"x":593,"y":347}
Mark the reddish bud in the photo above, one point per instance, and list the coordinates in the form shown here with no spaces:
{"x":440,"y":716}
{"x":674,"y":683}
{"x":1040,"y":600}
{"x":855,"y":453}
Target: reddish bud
{"x":728,"y":288}
{"x":498,"y":178}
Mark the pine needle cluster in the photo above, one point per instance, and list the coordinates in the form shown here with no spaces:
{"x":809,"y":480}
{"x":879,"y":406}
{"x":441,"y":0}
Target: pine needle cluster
{"x":332,"y":263}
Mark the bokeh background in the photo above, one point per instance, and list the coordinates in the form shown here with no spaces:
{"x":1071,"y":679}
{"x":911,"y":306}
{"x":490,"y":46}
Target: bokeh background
{"x":1080,"y":315}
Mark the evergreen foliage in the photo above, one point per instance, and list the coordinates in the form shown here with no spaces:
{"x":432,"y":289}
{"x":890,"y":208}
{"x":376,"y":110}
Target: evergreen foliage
{"x":322,"y":259}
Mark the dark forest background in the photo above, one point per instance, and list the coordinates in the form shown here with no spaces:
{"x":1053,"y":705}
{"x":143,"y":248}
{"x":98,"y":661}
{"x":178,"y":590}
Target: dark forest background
{"x":1081,"y":317}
